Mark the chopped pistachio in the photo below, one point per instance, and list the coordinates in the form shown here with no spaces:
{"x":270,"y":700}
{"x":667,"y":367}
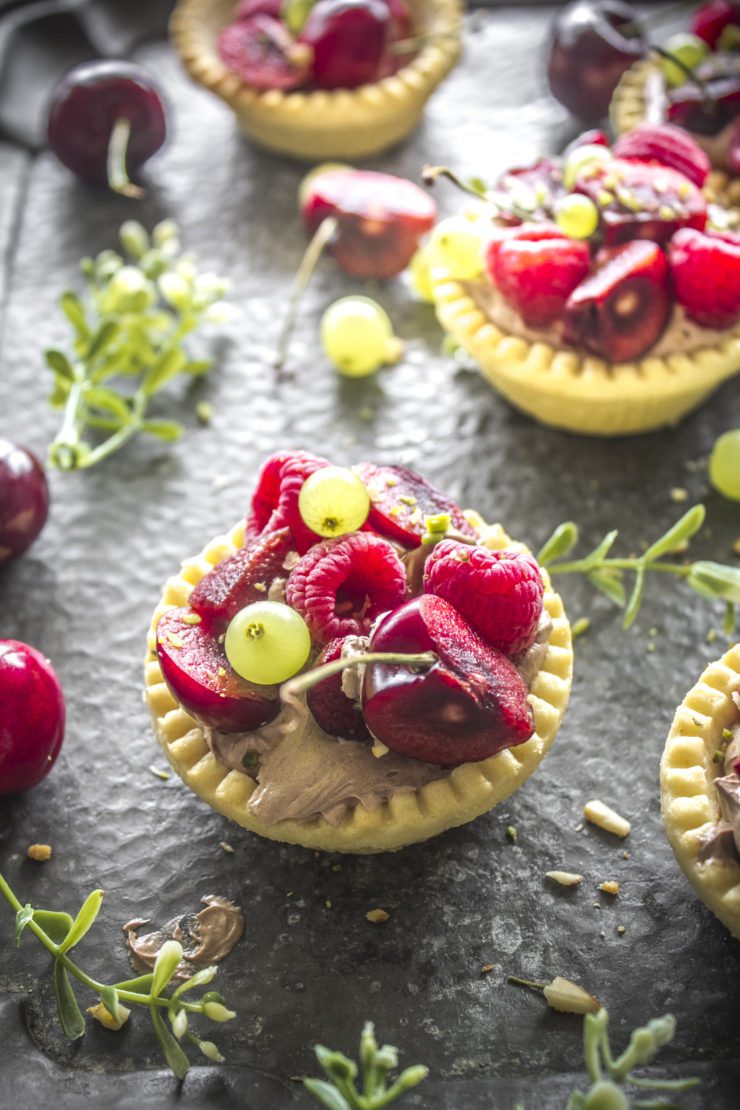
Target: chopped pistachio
{"x":736,"y":546}
{"x":604,"y":198}
{"x":105,"y":1017}
{"x":159,"y":773}
{"x":407,"y":499}
{"x":511,"y":833}
{"x":175,"y":640}
{"x":606,"y":818}
{"x":665,"y":212}
{"x":191,"y":618}
{"x":226,"y":847}
{"x":679,"y":494}
{"x":609,"y":887}
{"x":204,"y":411}
{"x":580,"y":626}
{"x":379,"y":749}
{"x":565,"y":878}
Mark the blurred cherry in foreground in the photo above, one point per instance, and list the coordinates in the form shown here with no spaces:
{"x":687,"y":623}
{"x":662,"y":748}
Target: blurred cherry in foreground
{"x":32,"y":716}
{"x":24,"y":499}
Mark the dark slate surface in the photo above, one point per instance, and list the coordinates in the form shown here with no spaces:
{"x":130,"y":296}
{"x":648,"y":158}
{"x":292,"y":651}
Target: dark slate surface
{"x":305,"y":971}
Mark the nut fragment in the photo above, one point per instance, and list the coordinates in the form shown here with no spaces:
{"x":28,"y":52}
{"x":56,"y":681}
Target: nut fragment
{"x":609,"y":887}
{"x":39,"y":852}
{"x":565,"y":878}
{"x":561,"y":994}
{"x":606,"y":818}
{"x":105,"y":1017}
{"x":377,"y":916}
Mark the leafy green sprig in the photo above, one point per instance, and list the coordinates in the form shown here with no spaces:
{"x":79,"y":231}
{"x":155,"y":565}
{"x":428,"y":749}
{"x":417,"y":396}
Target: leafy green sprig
{"x":59,"y":933}
{"x":341,"y":1093}
{"x":609,"y":1075}
{"x":715,"y":581}
{"x":128,"y":343}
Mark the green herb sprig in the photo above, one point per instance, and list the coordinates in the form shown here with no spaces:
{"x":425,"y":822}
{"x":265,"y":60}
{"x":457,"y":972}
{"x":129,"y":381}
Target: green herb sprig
{"x":608,"y":1076}
{"x":128,"y":343}
{"x":715,"y":581}
{"x":341,"y":1093}
{"x":59,"y":933}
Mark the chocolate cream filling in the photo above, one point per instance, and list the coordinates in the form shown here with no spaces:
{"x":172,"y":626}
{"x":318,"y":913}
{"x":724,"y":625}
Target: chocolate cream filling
{"x":722,"y":842}
{"x":206,"y":937}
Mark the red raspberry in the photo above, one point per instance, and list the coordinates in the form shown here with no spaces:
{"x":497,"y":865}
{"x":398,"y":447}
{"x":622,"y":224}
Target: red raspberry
{"x":275,"y":501}
{"x":706,"y":276}
{"x":341,"y":586}
{"x":669,"y":146}
{"x":241,"y":578}
{"x":709,"y":21}
{"x":641,"y":200}
{"x":536,"y":268}
{"x":332,"y":709}
{"x":499,"y":592}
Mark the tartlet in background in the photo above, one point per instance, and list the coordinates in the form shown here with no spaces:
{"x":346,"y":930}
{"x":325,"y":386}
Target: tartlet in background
{"x":316,"y":125}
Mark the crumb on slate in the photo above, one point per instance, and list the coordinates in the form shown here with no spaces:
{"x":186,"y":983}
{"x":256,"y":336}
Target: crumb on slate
{"x":736,"y":546}
{"x":159,"y":773}
{"x":39,"y":852}
{"x":487,"y":969}
{"x":621,"y":929}
{"x":226,"y":847}
{"x":679,"y":494}
{"x":580,"y":626}
{"x":606,"y":818}
{"x":511,"y":833}
{"x":377,"y":916}
{"x":565,"y":878}
{"x":610,"y":886}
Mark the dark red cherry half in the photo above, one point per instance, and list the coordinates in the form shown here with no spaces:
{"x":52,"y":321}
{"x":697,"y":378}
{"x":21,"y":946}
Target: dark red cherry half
{"x":401,"y":500}
{"x":32,"y":716}
{"x":241,"y":578}
{"x":198,"y":674}
{"x":332,"y":709}
{"x":467,"y":707}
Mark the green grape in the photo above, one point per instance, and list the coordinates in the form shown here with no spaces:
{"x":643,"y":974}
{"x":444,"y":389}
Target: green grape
{"x":605,"y":1095}
{"x":419,"y":277}
{"x":267,"y":642}
{"x":333,"y":501}
{"x":591,"y":154}
{"x":456,"y":245}
{"x":317,"y":171}
{"x":295,"y":13}
{"x":357,"y":335}
{"x":577,"y":216}
{"x":724,"y":465}
{"x":690,"y":50}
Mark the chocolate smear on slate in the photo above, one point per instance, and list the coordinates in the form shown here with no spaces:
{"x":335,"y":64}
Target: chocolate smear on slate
{"x":206,"y":937}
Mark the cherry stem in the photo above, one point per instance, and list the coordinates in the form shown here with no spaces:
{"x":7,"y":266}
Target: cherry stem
{"x":118,"y":178}
{"x":303,"y":682}
{"x":319,"y":240}
{"x":431,"y":174}
{"x":707,"y":98}
{"x":414,"y":42}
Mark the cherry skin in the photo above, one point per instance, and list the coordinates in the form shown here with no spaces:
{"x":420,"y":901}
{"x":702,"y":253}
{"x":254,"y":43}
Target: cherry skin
{"x":348,"y":39}
{"x":24,"y":499}
{"x":592,"y":43}
{"x":32,"y":716}
{"x":466,"y":707}
{"x":86,"y":106}
{"x":198,"y":674}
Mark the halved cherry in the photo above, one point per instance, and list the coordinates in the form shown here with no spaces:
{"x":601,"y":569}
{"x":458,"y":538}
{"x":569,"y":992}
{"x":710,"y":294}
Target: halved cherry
{"x":466,"y":707}
{"x":639,"y":200}
{"x":333,"y":710}
{"x":530,"y":192}
{"x":400,"y":501}
{"x":263,"y":53}
{"x":241,"y":578}
{"x":198,"y":674}
{"x":622,"y":309}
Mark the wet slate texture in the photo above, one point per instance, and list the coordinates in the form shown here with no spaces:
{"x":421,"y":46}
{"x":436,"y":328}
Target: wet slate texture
{"x":310,"y":966}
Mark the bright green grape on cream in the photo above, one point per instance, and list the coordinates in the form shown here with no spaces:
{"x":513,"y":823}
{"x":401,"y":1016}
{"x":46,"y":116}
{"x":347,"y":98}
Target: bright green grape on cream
{"x":333,"y":501}
{"x":267,"y":643}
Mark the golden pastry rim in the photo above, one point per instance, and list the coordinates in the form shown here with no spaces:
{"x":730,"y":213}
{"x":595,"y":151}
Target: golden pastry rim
{"x":582,"y":393}
{"x":688,"y":798}
{"x":357,"y":115}
{"x":467,"y":792}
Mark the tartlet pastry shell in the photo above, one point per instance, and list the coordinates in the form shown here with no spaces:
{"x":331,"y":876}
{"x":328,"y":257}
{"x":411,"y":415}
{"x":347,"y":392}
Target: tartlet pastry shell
{"x":581,"y":393}
{"x":408,"y":817}
{"x":630,"y":107}
{"x":312,"y":126}
{"x":688,"y":797}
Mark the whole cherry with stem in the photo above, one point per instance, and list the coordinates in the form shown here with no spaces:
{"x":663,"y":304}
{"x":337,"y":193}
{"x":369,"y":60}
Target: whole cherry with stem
{"x":106,"y":119}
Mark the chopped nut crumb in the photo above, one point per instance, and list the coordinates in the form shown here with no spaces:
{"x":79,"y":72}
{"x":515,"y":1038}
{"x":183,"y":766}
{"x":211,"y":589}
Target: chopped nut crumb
{"x":602,"y":934}
{"x":379,"y":749}
{"x":512,"y":833}
{"x":679,"y":494}
{"x":105,"y":1017}
{"x":626,"y":855}
{"x":561,"y":994}
{"x":736,"y":546}
{"x":609,"y":887}
{"x":487,"y":969}
{"x":39,"y":852}
{"x":175,"y":640}
{"x":159,"y":773}
{"x":565,"y":878}
{"x":711,"y":635}
{"x":377,"y":916}
{"x":226,"y":847}
{"x":336,"y":867}
{"x":204,"y":411}
{"x":606,"y":818}
{"x":328,"y":903}
{"x":621,"y":929}
{"x":260,"y":587}
{"x":651,"y":646}
{"x":581,"y":625}
{"x":191,"y":618}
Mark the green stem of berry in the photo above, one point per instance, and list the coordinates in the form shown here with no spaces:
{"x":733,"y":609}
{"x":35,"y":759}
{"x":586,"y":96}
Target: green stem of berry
{"x":303,"y":682}
{"x":118,"y":179}
{"x":146,"y":990}
{"x":319,"y":241}
{"x":431,"y":174}
{"x":416,"y":42}
{"x":708,"y":100}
